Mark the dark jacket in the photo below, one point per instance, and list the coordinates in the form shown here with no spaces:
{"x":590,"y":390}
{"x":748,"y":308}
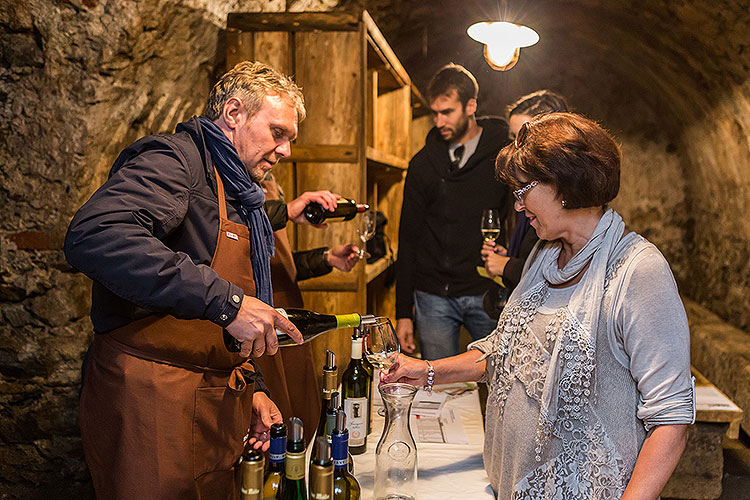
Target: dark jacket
{"x":439,"y":237}
{"x":514,"y":266}
{"x":146,"y":237}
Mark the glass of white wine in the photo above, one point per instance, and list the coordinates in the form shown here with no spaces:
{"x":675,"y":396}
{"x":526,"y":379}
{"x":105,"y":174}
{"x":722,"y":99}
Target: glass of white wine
{"x":365,"y":230}
{"x":490,"y":224}
{"x":380,"y":344}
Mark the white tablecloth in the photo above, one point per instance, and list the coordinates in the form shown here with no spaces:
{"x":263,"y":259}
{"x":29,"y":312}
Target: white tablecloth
{"x":445,"y":471}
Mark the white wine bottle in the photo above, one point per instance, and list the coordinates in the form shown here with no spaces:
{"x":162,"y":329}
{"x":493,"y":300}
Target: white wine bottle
{"x":345,"y":209}
{"x":345,"y":485}
{"x":309,"y":323}
{"x":293,"y":486}
{"x":355,"y":386}
{"x":321,"y":471}
{"x":252,"y":475}
{"x":276,"y":459}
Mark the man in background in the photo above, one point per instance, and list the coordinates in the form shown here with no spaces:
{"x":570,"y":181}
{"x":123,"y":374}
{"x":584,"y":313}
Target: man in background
{"x":449,"y":183}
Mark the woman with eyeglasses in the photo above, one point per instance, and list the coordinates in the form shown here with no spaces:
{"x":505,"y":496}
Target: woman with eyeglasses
{"x":590,"y":392}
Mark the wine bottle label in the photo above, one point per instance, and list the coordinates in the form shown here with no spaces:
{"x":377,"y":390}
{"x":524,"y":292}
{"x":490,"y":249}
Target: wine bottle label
{"x":356,"y":412}
{"x":348,"y":320}
{"x":283,"y":313}
{"x":339,"y":464}
{"x":277,"y":457}
{"x":295,"y":465}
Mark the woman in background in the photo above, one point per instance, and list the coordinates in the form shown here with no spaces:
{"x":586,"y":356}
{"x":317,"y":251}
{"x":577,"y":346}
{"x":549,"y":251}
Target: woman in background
{"x":590,"y":392}
{"x":508,"y":263}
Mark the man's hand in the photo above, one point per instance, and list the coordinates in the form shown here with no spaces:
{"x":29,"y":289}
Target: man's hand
{"x":343,"y":257}
{"x":405,"y":334}
{"x":295,"y":207}
{"x":255,"y":327}
{"x":265,"y":413}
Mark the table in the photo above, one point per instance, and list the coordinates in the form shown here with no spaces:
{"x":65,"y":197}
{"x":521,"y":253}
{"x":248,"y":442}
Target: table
{"x":442,"y":468}
{"x":700,"y":470}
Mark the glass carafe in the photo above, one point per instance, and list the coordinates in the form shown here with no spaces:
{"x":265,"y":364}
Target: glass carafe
{"x":396,"y":453}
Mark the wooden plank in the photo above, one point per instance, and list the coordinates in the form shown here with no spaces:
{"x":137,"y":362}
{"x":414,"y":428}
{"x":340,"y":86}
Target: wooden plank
{"x":333,"y":153}
{"x":420,"y":127}
{"x":371,"y":110}
{"x":378,"y":42}
{"x":381,"y":159}
{"x":335,"y":109}
{"x":727,"y":413}
{"x":393,"y":123}
{"x":293,"y":21}
{"x":373,"y":270}
{"x":239,"y":48}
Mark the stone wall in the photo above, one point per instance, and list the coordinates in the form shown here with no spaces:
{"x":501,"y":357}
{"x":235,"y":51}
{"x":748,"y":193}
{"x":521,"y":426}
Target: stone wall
{"x":79,"y":80}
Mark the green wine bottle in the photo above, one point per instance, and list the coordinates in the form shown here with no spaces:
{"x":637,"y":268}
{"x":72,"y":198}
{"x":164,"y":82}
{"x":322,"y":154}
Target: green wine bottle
{"x":345,"y":485}
{"x":355,"y":385}
{"x":293,"y":485}
{"x":309,"y":323}
{"x":276,"y":459}
{"x":321,"y":471}
{"x":252,"y":475}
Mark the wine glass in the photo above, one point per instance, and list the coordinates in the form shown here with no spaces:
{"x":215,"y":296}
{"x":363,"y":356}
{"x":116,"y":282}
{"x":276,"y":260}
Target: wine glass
{"x":490,"y":224}
{"x":365,"y":230}
{"x":380,"y":344}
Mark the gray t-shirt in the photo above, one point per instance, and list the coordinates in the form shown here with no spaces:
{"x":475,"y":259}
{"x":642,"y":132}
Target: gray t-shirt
{"x":469,"y":148}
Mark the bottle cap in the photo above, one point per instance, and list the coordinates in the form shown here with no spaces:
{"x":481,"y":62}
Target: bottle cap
{"x":295,"y":429}
{"x":340,"y":420}
{"x":330,"y":360}
{"x":322,"y":453}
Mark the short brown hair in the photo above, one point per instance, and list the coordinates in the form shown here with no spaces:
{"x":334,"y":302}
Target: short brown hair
{"x":251,"y":82}
{"x":453,"y":77}
{"x":536,"y":103}
{"x":568,"y":151}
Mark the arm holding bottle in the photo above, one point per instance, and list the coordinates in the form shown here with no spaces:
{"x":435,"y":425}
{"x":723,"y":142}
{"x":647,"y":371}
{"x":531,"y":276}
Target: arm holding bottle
{"x":255,"y":327}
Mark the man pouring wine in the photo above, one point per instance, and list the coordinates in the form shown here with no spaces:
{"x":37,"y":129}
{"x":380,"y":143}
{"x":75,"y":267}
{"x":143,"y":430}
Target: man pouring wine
{"x":178,"y":245}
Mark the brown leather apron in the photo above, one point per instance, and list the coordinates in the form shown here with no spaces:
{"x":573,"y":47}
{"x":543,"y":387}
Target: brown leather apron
{"x":290,"y":375}
{"x":165,"y":409}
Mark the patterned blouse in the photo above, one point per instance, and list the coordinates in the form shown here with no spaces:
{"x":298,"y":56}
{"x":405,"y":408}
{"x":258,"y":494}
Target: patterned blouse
{"x":610,"y":393}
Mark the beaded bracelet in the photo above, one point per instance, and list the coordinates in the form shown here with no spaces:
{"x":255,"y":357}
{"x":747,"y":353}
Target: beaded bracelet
{"x":430,"y":377}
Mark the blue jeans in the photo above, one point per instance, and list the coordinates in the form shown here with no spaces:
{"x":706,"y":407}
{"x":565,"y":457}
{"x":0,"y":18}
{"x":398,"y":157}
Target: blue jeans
{"x":438,"y":322}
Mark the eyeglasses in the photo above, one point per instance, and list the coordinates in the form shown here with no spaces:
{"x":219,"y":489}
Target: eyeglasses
{"x":520,"y":193}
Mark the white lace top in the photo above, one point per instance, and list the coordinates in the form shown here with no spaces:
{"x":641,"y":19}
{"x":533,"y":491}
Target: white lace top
{"x":637,"y":376}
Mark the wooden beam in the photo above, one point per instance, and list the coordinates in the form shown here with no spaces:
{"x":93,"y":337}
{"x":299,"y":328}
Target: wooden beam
{"x":292,"y":21}
{"x":326,"y":153}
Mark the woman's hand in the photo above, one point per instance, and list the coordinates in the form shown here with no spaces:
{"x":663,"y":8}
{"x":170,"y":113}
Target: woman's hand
{"x":406,"y":370}
{"x":495,"y":258}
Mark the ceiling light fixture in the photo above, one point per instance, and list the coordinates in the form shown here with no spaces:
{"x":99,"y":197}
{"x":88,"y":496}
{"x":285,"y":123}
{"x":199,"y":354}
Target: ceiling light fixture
{"x":502,"y":42}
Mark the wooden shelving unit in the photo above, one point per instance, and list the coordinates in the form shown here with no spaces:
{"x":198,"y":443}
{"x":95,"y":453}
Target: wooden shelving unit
{"x":355,"y":141}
